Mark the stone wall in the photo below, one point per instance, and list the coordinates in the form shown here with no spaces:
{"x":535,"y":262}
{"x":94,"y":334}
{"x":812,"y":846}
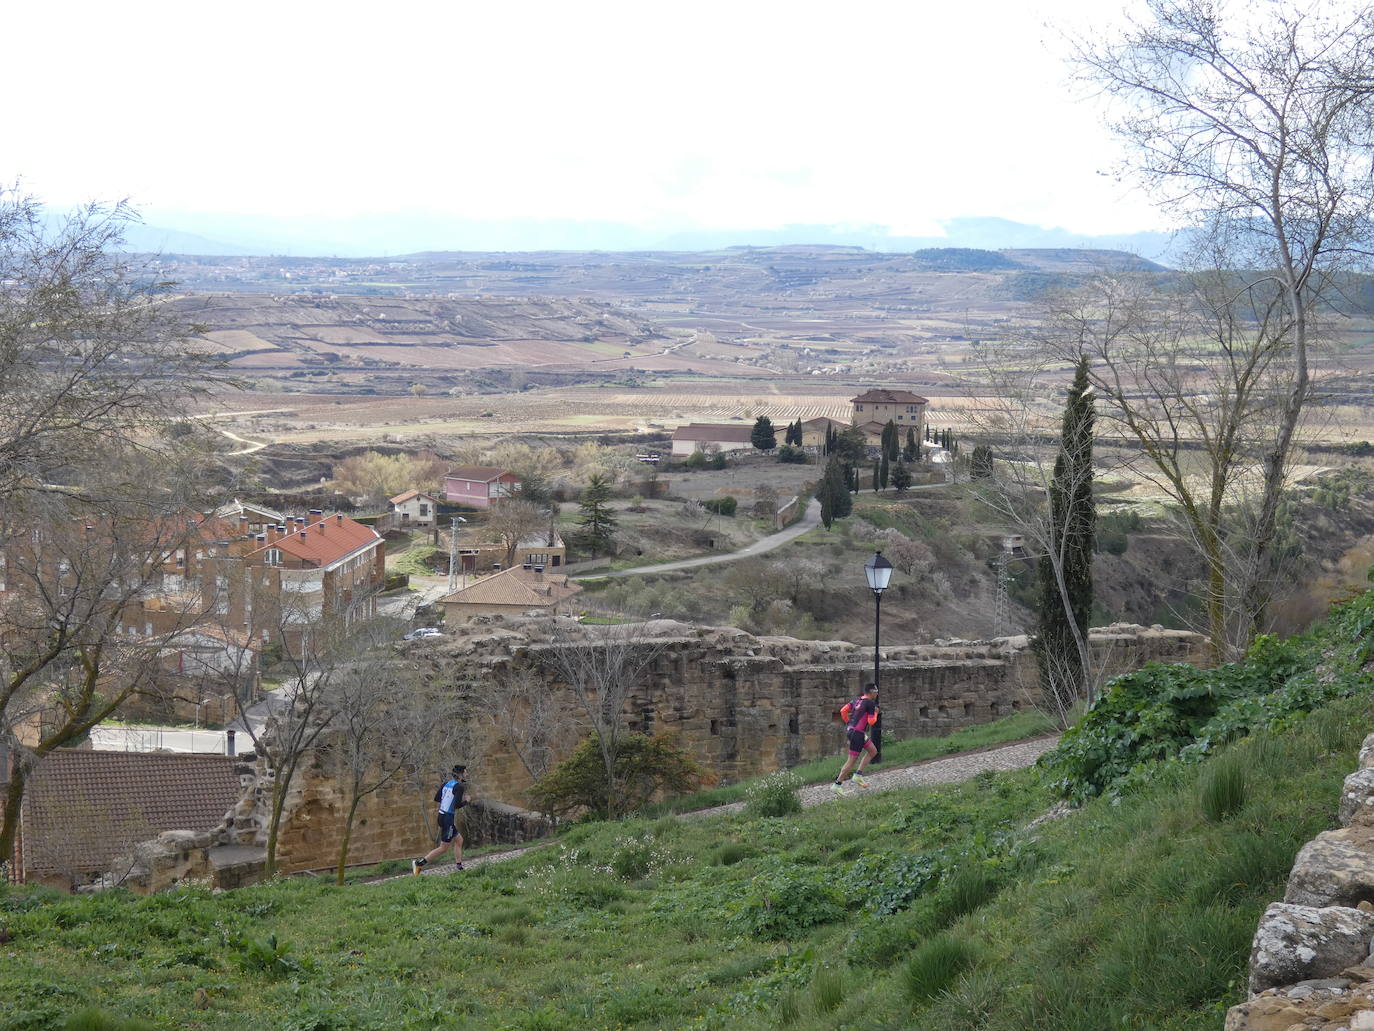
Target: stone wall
{"x":1312,"y":962}
{"x":745,"y":705}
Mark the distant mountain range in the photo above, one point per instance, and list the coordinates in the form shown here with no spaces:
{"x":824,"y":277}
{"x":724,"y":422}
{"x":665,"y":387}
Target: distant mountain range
{"x":393,"y":235}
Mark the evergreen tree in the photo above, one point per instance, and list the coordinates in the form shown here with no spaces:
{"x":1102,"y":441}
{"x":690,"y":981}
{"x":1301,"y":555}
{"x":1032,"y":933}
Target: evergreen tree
{"x":1063,"y":614}
{"x":980,"y":464}
{"x":764,"y":437}
{"x":912,"y":451}
{"x":833,"y":492}
{"x":598,"y":525}
{"x":892,"y":441}
{"x":877,"y":480}
{"x":884,"y":472}
{"x":901,"y":477}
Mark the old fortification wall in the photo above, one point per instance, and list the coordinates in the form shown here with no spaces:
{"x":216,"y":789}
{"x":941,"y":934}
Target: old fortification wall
{"x":741,"y":704}
{"x":1312,"y":962}
{"x":744,"y":705}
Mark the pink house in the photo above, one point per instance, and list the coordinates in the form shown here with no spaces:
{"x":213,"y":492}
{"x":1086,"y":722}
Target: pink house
{"x":480,"y":485}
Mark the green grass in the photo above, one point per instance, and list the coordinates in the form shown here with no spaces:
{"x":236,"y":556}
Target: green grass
{"x":418,"y":560}
{"x":933,"y":909}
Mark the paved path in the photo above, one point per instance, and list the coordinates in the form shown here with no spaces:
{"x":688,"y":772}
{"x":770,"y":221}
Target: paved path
{"x":948,"y":770}
{"x":810,"y":518}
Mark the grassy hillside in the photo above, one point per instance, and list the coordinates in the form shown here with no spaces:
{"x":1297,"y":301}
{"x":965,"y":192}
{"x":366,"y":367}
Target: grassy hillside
{"x":935,"y":909}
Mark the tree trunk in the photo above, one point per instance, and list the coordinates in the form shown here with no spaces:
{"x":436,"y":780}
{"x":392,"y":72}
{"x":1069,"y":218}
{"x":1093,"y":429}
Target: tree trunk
{"x":347,"y":836}
{"x":9,"y":828}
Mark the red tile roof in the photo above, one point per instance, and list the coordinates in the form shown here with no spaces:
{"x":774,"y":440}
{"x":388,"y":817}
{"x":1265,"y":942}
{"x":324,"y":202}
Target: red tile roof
{"x":516,"y":586}
{"x":479,"y":473}
{"x":326,"y":541}
{"x":890,"y":397}
{"x":82,"y":810}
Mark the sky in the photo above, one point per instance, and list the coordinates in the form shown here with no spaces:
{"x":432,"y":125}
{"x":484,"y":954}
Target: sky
{"x":707,"y":115}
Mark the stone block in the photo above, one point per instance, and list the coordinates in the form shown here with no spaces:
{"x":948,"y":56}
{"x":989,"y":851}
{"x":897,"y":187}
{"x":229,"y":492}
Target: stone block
{"x":1298,"y":943}
{"x":1357,"y":798}
{"x":1336,"y":868}
{"x":1367,"y":752}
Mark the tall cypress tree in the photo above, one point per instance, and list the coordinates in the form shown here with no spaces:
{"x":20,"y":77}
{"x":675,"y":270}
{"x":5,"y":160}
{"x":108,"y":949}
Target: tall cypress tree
{"x":1071,"y":541}
{"x":912,"y":451}
{"x":884,"y":471}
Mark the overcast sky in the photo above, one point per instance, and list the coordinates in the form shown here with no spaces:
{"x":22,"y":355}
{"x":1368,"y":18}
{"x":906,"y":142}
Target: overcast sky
{"x":668,"y":116}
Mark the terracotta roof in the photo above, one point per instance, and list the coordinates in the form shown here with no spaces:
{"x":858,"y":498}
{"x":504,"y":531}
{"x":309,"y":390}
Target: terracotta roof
{"x":479,"y":473}
{"x":890,"y":397}
{"x":326,"y":540}
{"x":732,"y":433}
{"x":84,"y":809}
{"x":402,"y":498}
{"x":821,"y":420}
{"x":517,"y":587}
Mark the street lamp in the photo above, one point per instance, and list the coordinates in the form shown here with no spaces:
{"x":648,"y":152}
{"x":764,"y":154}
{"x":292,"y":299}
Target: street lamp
{"x":878,"y":570}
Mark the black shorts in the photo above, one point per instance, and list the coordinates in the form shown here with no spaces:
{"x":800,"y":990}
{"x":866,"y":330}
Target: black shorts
{"x":858,"y":741}
{"x":448,"y":827}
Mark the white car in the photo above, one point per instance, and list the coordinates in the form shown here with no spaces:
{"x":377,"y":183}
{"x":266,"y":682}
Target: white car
{"x":423,"y":631}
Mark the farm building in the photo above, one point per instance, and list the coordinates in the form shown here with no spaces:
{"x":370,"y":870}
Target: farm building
{"x":697,"y":436}
{"x":883,"y":406}
{"x":479,"y":485}
{"x":513,"y":591}
{"x":413,"y":508}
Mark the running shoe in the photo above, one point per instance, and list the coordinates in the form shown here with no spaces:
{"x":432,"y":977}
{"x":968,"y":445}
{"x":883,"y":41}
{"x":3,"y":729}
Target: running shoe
{"x":458,"y":866}
{"x":860,"y":781}
{"x":838,"y":788}
{"x":415,"y":865}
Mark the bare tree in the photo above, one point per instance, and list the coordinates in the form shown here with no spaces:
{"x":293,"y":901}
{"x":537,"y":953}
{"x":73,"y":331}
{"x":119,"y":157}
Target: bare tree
{"x":514,"y":521}
{"x":601,"y":666}
{"x":84,"y":624}
{"x":1256,"y":126}
{"x":387,"y":723}
{"x":92,"y":361}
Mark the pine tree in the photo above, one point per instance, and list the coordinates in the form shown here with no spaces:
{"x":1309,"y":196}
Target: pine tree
{"x":901,"y":477}
{"x":884,"y":472}
{"x":1071,"y":541}
{"x":912,"y":451}
{"x":876,"y":477}
{"x":892,"y":442}
{"x":598,"y":525}
{"x":764,"y":437}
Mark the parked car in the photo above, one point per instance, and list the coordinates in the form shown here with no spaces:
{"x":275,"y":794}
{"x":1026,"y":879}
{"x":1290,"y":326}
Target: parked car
{"x":423,"y":631}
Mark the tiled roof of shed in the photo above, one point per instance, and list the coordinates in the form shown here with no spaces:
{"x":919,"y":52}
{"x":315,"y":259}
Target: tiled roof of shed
{"x":730,"y":433}
{"x":83,"y":809}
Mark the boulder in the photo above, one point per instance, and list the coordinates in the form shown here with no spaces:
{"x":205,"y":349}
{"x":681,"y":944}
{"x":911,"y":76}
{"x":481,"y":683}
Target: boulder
{"x":1298,"y":943}
{"x":1357,"y":798}
{"x":1367,"y":752}
{"x":1336,"y":868}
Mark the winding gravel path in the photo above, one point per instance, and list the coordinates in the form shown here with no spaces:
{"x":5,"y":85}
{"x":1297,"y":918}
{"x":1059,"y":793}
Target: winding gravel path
{"x":948,"y":770}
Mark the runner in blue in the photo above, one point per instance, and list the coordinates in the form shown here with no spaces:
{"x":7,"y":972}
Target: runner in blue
{"x":451,"y":796}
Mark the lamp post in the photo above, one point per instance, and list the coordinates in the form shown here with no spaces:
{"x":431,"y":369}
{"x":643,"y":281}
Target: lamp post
{"x":878,"y":570}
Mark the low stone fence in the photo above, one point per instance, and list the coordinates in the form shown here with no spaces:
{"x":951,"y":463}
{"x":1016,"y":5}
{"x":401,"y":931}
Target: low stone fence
{"x":1311,"y":965}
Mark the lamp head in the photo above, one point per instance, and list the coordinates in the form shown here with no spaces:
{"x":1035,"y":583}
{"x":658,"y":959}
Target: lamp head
{"x":879,"y":572}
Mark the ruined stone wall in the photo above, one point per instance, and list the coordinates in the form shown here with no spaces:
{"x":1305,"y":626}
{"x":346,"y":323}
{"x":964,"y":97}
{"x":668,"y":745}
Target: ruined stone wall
{"x":745,"y":705}
{"x":1312,"y":961}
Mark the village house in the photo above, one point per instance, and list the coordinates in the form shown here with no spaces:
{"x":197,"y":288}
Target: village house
{"x":478,"y":486}
{"x":413,"y":508}
{"x":712,"y":437}
{"x":306,"y":572}
{"x":814,"y":431}
{"x":879,"y":407}
{"x":513,"y":591}
{"x":545,"y":548}
{"x":83,"y":809}
{"x":255,"y":518}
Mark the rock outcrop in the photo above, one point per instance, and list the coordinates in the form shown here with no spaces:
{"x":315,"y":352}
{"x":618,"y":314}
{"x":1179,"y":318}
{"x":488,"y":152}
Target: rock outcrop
{"x":1311,"y":967}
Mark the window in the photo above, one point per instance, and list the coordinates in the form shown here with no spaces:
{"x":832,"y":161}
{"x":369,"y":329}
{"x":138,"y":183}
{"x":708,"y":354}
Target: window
{"x":538,"y":558}
{"x":274,"y":556}
{"x":858,"y":408}
{"x":424,"y":509}
{"x":911,"y":408}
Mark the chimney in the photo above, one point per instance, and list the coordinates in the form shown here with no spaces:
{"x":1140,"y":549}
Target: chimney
{"x":317,"y":511}
{"x":303,"y":533}
{"x":262,"y":538}
{"x":539,"y":572}
{"x":229,"y":743}
{"x":338,"y":518}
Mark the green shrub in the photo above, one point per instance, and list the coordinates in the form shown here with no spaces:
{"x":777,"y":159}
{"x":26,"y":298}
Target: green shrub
{"x":642,"y":767}
{"x":789,"y":1008}
{"x":723,"y":506}
{"x":789,"y":455}
{"x":935,"y":966}
{"x":971,"y":887}
{"x":267,"y":956}
{"x":774,"y":795}
{"x":1224,"y":788}
{"x":787,"y":901}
